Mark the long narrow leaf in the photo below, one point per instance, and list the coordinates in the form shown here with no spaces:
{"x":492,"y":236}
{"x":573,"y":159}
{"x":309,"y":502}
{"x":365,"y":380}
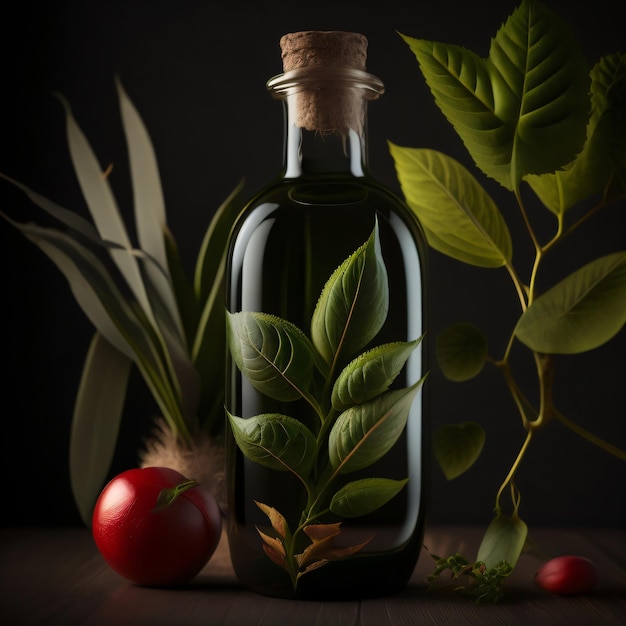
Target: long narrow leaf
{"x":71,"y":219}
{"x":147,"y":193}
{"x":96,"y":421}
{"x":150,"y":217}
{"x":168,"y":328}
{"x":209,"y":347}
{"x":82,"y":290}
{"x":89,"y":280}
{"x":102,"y":206}
{"x":214,"y":244}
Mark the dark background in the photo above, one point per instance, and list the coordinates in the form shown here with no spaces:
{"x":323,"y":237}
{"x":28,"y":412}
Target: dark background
{"x":196,"y":72}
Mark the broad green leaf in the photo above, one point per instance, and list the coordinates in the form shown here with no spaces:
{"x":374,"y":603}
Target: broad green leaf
{"x":275,"y":356}
{"x":461,"y":351}
{"x":601,"y":167}
{"x":458,"y":216}
{"x":521,"y":111}
{"x":102,"y":206}
{"x":96,"y":421}
{"x":361,"y":497}
{"x":371,"y":373}
{"x":504,"y":540}
{"x":275,"y":441}
{"x":580,"y":313}
{"x":457,"y":446}
{"x":353,"y":305}
{"x":366,"y":432}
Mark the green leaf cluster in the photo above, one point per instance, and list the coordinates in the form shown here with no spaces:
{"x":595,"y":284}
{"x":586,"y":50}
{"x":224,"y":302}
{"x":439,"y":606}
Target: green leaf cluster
{"x":359,"y":417}
{"x":484,"y":584}
{"x":138,"y":298}
{"x":540,"y":122}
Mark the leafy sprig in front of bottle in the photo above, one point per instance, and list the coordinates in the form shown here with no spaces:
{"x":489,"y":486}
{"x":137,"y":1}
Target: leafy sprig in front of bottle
{"x":359,"y":418}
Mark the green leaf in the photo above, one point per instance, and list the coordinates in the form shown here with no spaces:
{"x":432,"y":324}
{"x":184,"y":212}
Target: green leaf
{"x":96,"y":421}
{"x":371,"y":373}
{"x":186,"y":304}
{"x":209,"y":345}
{"x":150,"y":217}
{"x":461,"y":351}
{"x":211,"y":258}
{"x":167,"y":328}
{"x":275,"y":441}
{"x":117,"y":317}
{"x":457,"y":446}
{"x":353,"y":305}
{"x":361,"y":497}
{"x":458,"y":216}
{"x":82,"y":289}
{"x":504,"y":540}
{"x":275,"y":356}
{"x":366,"y":432}
{"x":103,"y":208}
{"x":72,"y":220}
{"x":521,"y":111}
{"x":580,"y":313}
{"x":149,"y":204}
{"x":601,"y":166}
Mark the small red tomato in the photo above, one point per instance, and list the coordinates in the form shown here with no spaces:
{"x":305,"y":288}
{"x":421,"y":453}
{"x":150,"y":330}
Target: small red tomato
{"x":567,"y":575}
{"x":155,"y":527}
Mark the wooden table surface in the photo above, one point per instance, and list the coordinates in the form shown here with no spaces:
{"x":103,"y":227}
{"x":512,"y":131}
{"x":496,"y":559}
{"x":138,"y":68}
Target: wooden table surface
{"x":56,"y":576}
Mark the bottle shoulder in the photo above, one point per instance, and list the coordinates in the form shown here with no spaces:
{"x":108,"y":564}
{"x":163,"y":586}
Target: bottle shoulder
{"x":339,"y":195}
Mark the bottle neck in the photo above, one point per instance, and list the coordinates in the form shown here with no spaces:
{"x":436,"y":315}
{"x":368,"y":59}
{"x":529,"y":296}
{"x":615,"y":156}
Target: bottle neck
{"x":325,"y":110}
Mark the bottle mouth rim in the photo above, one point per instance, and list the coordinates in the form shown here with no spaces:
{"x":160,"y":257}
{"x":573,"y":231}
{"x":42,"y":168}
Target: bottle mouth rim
{"x":310,"y":78}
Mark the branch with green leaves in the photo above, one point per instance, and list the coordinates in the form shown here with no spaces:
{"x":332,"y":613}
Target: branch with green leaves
{"x":144,"y":310}
{"x":532,"y":118}
{"x":358,"y":418}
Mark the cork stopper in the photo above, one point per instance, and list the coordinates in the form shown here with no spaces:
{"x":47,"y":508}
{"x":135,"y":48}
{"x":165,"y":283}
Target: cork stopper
{"x":317,"y":48}
{"x":325,"y":105}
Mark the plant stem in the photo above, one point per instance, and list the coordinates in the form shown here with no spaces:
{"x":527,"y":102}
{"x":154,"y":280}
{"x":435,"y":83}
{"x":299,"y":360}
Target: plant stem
{"x":522,"y":403}
{"x":529,"y":227}
{"x":514,"y":468}
{"x":519,"y":287}
{"x":579,"y":430}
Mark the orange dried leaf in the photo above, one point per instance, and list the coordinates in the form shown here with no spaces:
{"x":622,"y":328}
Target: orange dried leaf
{"x":275,"y":556}
{"x":278,"y":522}
{"x":273,"y":542}
{"x":317,"y":532}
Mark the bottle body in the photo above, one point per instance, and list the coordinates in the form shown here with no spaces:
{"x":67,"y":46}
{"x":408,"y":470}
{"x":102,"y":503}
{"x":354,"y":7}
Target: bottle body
{"x":290,"y":240}
{"x":325,"y":444}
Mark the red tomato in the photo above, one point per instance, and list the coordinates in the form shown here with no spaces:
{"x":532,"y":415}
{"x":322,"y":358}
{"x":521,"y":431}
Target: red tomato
{"x":567,"y":575}
{"x":155,"y":527}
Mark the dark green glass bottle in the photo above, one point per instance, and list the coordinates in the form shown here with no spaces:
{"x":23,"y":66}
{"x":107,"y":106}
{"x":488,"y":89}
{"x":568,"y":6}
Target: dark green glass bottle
{"x":326,"y":448}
